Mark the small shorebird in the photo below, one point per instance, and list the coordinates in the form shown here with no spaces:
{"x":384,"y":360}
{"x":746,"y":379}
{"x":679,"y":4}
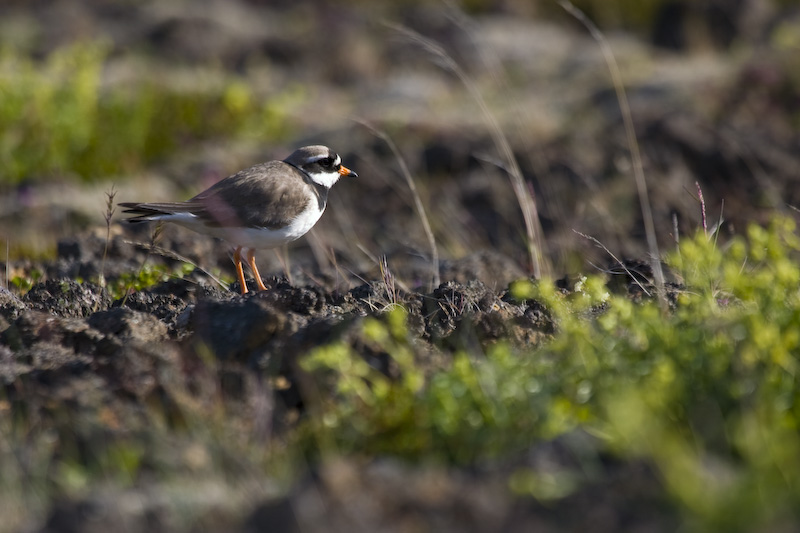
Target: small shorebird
{"x":264,"y":206}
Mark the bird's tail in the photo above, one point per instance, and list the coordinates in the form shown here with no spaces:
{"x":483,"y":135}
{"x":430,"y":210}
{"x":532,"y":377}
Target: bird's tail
{"x":151,"y":212}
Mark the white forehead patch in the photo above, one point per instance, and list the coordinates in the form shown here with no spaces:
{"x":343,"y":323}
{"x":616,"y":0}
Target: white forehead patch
{"x":336,"y":162}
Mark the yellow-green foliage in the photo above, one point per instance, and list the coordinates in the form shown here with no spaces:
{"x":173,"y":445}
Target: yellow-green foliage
{"x":708,"y":391}
{"x":24,"y":283}
{"x":146,"y":277}
{"x":57,"y":118}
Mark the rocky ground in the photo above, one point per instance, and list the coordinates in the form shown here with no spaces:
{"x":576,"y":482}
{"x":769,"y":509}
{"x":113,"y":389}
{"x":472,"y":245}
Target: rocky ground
{"x":83,"y":370}
{"x":90,"y":368}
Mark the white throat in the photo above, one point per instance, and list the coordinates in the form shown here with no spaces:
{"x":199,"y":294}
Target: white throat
{"x":326,"y":179}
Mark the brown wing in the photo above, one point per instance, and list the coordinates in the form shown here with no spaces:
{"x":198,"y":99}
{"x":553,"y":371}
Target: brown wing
{"x":268,"y":195}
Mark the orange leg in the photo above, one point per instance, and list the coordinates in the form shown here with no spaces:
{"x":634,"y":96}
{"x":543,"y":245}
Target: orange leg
{"x":237,"y":260}
{"x":251,"y":260}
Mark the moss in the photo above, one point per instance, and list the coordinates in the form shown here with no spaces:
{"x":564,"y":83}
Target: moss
{"x":147,"y":276}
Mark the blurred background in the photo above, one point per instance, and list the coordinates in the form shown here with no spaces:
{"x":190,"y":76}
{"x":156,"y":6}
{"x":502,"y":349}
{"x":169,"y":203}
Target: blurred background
{"x":161,"y":99}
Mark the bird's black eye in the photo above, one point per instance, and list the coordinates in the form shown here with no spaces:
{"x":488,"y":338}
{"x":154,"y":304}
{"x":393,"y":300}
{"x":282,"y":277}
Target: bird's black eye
{"x":326,"y":162}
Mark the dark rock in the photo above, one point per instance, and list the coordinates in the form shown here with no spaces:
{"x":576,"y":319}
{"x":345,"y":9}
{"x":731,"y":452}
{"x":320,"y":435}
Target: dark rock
{"x":69,"y":249}
{"x":72,"y":517}
{"x":90,"y":255}
{"x":192,"y":287}
{"x":677,"y":24}
{"x":54,"y":361}
{"x":452,"y":302}
{"x":235,"y":329}
{"x":358,"y":299}
{"x":404,"y":496}
{"x":129,"y":325}
{"x":302,"y":300}
{"x":67,"y":298}
{"x":10,"y":305}
{"x":105,"y":512}
{"x":163,"y":306}
{"x":140,"y":370}
{"x":492,"y":268}
{"x":34,"y":327}
{"x":275,"y":515}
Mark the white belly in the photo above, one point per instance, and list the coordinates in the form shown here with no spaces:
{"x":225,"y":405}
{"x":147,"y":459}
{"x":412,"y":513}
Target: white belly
{"x":258,"y":238}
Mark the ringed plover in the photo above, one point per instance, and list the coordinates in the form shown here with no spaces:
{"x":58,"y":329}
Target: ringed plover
{"x":264,"y":206}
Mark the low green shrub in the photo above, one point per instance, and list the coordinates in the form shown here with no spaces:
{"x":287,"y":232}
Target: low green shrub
{"x":58,"y":118}
{"x":707,"y":392}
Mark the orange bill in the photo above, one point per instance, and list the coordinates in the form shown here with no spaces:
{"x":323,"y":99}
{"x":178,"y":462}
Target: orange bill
{"x":344,"y":171}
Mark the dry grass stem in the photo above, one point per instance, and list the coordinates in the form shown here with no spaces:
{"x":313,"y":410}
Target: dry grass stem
{"x":718,"y":225}
{"x":282,"y":254}
{"x":525,"y":199}
{"x":633,"y":145}
{"x":325,"y":260}
{"x":107,"y":215}
{"x":153,"y":248}
{"x":154,"y":237}
{"x":675,"y":234}
{"x":388,"y":281}
{"x":423,"y":216}
{"x":702,"y":207}
{"x":330,"y":256}
{"x":615,"y":258}
{"x":379,"y":261}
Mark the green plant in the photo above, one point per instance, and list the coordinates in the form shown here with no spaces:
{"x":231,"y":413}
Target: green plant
{"x":707,"y":392}
{"x":24,"y":283}
{"x":147,"y":276}
{"x":57,"y":117}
